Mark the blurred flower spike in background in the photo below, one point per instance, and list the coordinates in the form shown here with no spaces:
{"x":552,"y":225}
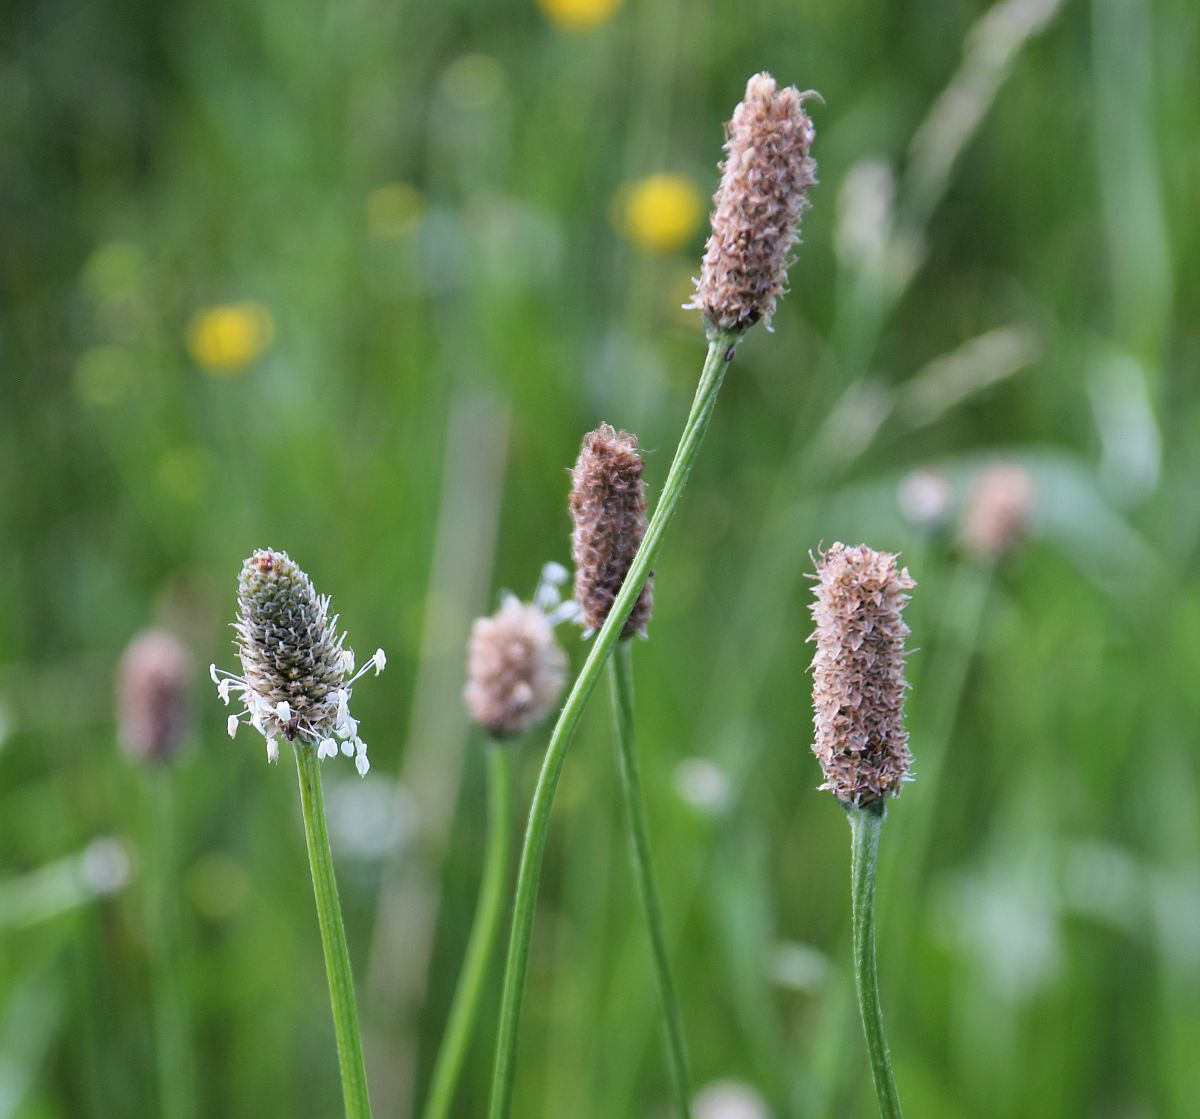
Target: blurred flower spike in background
{"x":225,"y":339}
{"x":660,"y":212}
{"x":579,"y":15}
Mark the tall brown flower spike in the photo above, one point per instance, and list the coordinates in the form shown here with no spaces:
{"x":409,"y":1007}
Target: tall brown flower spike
{"x":764,"y":183}
{"x":608,"y":503}
{"x":154,"y":687}
{"x":858,"y":673}
{"x":515,"y":669}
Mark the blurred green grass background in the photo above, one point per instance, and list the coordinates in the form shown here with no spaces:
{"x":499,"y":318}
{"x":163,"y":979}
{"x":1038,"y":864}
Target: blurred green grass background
{"x":352,"y":279}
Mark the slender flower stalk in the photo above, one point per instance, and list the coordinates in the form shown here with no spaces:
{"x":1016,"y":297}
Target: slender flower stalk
{"x":861,"y":743}
{"x":333,"y":935}
{"x":464,"y":1010}
{"x":781,"y":173}
{"x":620,"y":669}
{"x":154,"y":701}
{"x":720,"y":352}
{"x":516,"y":671}
{"x":297,"y":679}
{"x":865,"y":826}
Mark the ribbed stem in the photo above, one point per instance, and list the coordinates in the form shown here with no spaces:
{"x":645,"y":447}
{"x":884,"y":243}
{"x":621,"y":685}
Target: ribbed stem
{"x":865,"y":825}
{"x":176,"y":1078}
{"x":621,"y":681}
{"x":465,"y":1008}
{"x":720,"y":350}
{"x":333,"y":935}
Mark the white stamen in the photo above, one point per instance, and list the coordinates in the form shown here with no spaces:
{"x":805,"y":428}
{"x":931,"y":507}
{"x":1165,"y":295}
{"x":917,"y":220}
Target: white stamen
{"x":212,"y":671}
{"x":547,"y":596}
{"x":231,"y":725}
{"x":223,"y":691}
{"x":283,"y":711}
{"x":380,"y":661}
{"x":348,"y":747}
{"x":272,"y":749}
{"x":565,"y":612}
{"x":362,"y":765}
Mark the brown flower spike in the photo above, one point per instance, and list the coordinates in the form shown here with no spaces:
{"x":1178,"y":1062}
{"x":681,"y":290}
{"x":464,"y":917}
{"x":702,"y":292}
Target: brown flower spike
{"x":764,"y":189}
{"x":154,"y":687}
{"x":858,"y":673}
{"x":996,"y":516}
{"x":515,"y":669}
{"x":608,"y":503}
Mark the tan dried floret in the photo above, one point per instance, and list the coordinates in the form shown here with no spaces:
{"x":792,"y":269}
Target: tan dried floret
{"x":608,"y":504}
{"x":154,"y":687}
{"x":858,"y":673}
{"x":764,"y":190}
{"x":515,"y":669}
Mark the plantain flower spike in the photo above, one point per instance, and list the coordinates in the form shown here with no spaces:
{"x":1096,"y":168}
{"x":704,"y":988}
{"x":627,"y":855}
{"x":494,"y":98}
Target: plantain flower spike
{"x":154,"y":692}
{"x":608,"y":504}
{"x":756,"y":217}
{"x":516,"y":669}
{"x":858,"y":674}
{"x":297,"y":675}
{"x":998,"y":509}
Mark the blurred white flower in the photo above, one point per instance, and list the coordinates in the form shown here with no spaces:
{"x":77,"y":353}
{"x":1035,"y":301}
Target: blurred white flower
{"x":729,"y":1099}
{"x":924,"y":496}
{"x":105,"y":865}
{"x":703,"y":785}
{"x":370,"y":818}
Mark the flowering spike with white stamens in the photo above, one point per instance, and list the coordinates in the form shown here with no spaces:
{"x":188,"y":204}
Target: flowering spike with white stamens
{"x":515,"y":668}
{"x":297,"y":674}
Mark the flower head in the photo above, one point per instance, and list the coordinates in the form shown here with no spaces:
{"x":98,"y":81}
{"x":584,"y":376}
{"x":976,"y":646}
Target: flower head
{"x":764,"y":189}
{"x":227,"y":338}
{"x":858,"y":673}
{"x":516,"y":669}
{"x":608,"y":503}
{"x":154,"y":690}
{"x":998,"y":509}
{"x":298,"y":675}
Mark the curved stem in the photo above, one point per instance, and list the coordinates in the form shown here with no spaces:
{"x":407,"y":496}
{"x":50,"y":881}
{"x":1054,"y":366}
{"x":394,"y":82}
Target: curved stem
{"x":333,"y":935}
{"x":865,"y":825}
{"x":465,"y":1007}
{"x":621,"y":681}
{"x":720,"y":351}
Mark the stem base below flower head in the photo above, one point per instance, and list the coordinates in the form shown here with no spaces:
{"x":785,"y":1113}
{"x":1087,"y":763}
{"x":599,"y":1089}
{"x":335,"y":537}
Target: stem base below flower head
{"x":865,"y":826}
{"x":333,"y":935}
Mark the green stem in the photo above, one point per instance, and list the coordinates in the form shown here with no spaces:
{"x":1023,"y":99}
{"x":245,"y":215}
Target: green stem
{"x":177,"y":1090}
{"x":621,"y":681}
{"x":333,"y":935}
{"x":720,"y":351}
{"x":465,"y":1007}
{"x":865,"y":825}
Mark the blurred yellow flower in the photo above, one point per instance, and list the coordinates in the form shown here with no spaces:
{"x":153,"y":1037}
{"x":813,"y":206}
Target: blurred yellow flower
{"x":393,"y":210}
{"x":660,"y":212}
{"x":225,"y":339}
{"x":578,"y":15}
